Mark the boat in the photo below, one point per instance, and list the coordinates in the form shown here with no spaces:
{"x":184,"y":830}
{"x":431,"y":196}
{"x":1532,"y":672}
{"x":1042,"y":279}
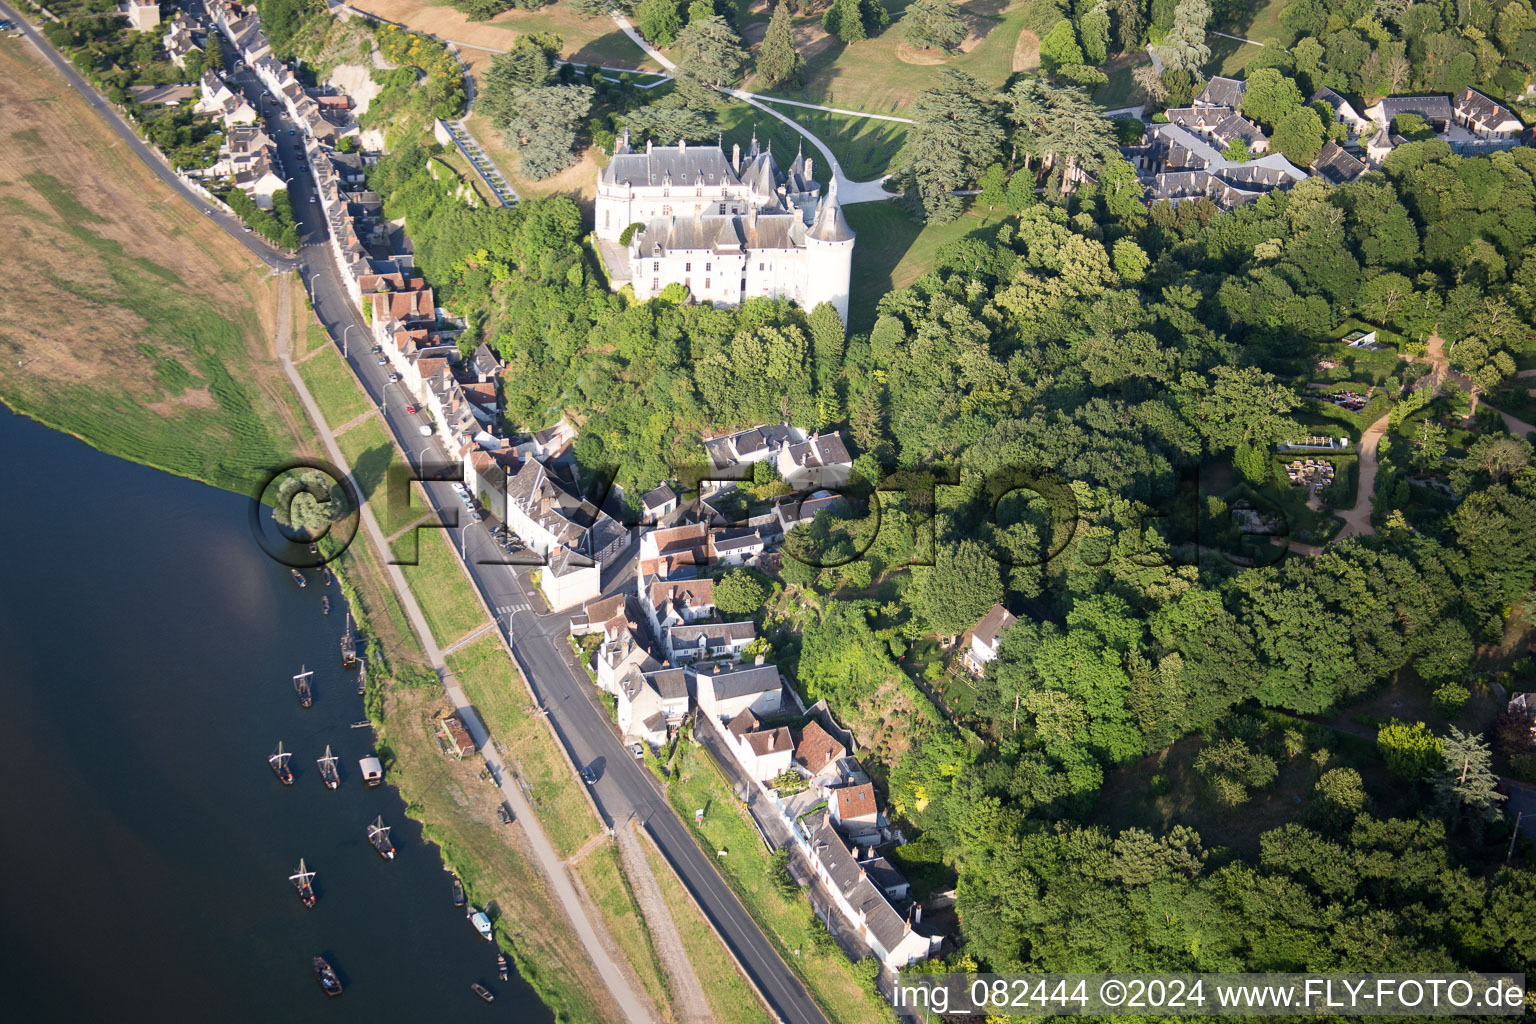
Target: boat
{"x":378,"y":835}
{"x":483,"y":992}
{"x":326,"y":976}
{"x":298,"y":578}
{"x":458,"y":893}
{"x":504,"y":814}
{"x":325,"y":605}
{"x":348,"y":645}
{"x":279,"y":763}
{"x":301,"y":880}
{"x":301,"y":684}
{"x":373,"y":771}
{"x":325,"y":574}
{"x":362,"y":680}
{"x":482,"y":923}
{"x":314,"y":549}
{"x":501,"y":966}
{"x":328,"y":773}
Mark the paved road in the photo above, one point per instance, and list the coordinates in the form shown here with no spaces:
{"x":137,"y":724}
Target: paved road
{"x":273,"y":258}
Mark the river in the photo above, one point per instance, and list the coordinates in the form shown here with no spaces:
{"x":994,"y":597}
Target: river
{"x":146,"y":651}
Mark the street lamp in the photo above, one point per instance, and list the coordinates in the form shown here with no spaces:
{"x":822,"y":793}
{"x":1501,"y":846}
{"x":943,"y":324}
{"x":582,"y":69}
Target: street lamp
{"x":421,"y":457}
{"x":344,"y":339}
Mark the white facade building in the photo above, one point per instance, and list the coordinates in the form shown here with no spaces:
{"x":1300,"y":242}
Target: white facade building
{"x":726,"y":229}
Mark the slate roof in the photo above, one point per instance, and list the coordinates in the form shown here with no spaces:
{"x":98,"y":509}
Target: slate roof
{"x":689,"y":636}
{"x":883,"y":875}
{"x":1472,"y":104}
{"x":661,"y":165}
{"x":671,"y":683}
{"x":885,"y":925}
{"x":1223,"y":92}
{"x":994,"y":622}
{"x":654,"y":499}
{"x":1436,"y":110}
{"x":743,"y":681}
{"x":1336,"y":165}
{"x":821,"y":450}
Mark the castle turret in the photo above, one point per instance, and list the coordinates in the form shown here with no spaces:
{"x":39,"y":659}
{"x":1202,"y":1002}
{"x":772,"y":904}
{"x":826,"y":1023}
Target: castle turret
{"x":829,"y":256}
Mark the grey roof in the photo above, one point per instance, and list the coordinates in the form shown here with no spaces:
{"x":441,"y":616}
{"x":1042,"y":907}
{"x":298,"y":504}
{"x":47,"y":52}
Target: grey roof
{"x":1333,"y":99}
{"x":1436,"y":110}
{"x":1222,"y":92}
{"x":691,"y":635}
{"x":671,"y":683}
{"x":732,"y":540}
{"x":883,"y":874}
{"x":830,"y":224}
{"x":679,"y":166}
{"x":658,"y":497}
{"x":744,"y":681}
{"x":1336,"y":165}
{"x":994,"y":622}
{"x":1235,"y":127}
{"x":1470,"y":102}
{"x":885,"y":925}
{"x":821,"y":450}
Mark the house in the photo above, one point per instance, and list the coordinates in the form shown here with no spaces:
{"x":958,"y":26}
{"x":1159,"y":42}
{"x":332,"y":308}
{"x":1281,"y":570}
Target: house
{"x":143,"y":15}
{"x":856,"y":812}
{"x":1178,"y":165}
{"x":736,"y":547}
{"x":884,"y":876}
{"x":651,"y":702}
{"x":1222,"y":92}
{"x":732,"y":455}
{"x":658,"y":503}
{"x":1485,"y":118}
{"x":215,"y":97}
{"x":676,"y":601}
{"x":818,"y":461}
{"x":984,"y":639}
{"x":727,"y":693}
{"x":891,"y":938}
{"x":763,"y":753}
{"x":452,"y":730}
{"x":162,"y":95}
{"x":792,"y":512}
{"x":1236,"y":127}
{"x":725,"y":229}
{"x":1201,"y":120}
{"x":178,"y":41}
{"x":1435,"y":110}
{"x":710,"y":641}
{"x":574,"y":535}
{"x":663,"y":552}
{"x":1378,"y":145}
{"x":1336,"y":165}
{"x":1343,"y":111}
{"x":818,"y":750}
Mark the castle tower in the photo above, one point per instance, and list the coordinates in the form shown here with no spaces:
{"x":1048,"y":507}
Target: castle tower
{"x":829,"y":256}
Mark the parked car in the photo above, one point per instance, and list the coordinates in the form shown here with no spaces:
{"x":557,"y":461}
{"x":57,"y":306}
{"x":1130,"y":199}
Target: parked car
{"x":587,"y":775}
{"x":638,"y":751}
{"x":475,"y":516}
{"x":312,"y":199}
{"x":394,"y":378}
{"x":413,"y":409}
{"x":382,"y":360}
{"x":245,"y":227}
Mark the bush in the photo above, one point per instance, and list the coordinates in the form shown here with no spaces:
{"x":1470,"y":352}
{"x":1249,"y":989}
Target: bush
{"x":1411,"y":751}
{"x":1450,"y":697}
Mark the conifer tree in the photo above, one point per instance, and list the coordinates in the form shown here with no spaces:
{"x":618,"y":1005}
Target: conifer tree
{"x":777,"y":59}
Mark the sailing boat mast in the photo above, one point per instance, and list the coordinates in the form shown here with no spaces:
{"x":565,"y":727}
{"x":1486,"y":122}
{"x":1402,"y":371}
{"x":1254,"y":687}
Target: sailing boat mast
{"x":301,"y":684}
{"x":328,"y":773}
{"x":348,"y":646}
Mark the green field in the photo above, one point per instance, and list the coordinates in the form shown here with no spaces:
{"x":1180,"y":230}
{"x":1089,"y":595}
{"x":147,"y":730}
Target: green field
{"x":787,"y":921}
{"x":371,"y":454}
{"x":331,"y":381}
{"x":446,"y":597}
{"x":894,"y":250}
{"x":602,"y":875}
{"x":486,"y":673}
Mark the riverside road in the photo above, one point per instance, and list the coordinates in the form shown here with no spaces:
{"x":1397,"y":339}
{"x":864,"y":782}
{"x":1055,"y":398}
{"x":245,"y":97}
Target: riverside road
{"x":624,"y":789}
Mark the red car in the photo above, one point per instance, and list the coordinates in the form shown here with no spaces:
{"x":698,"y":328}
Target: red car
{"x":413,"y":409}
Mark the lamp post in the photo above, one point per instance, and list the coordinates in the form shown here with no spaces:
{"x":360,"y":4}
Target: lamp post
{"x":421,"y":458}
{"x":344,"y":333}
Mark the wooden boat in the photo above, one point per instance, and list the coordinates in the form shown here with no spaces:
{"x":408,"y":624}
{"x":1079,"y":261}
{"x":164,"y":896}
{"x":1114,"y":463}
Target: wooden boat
{"x":325,"y":574}
{"x":458,"y":893}
{"x":348,"y":645}
{"x":482,"y":924}
{"x":481,"y":991}
{"x":325,"y":605}
{"x":279,"y":763}
{"x":504,"y":814}
{"x":362,"y":680}
{"x":326,"y":976}
{"x":501,"y":966}
{"x":328,"y":773}
{"x":301,"y":685}
{"x":298,"y":578}
{"x":378,"y":835}
{"x":301,"y":880}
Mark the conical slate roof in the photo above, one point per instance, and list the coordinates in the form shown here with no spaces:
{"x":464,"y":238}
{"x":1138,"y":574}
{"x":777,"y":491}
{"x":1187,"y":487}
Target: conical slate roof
{"x":830,"y":224}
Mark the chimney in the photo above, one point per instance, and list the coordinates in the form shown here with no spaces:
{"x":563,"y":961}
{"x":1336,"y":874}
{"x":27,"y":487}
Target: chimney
{"x":809,"y":173}
{"x":647,"y":145}
{"x":758,"y":660}
{"x":917,"y":914}
{"x":736,"y":157}
{"x":908,"y":929}
{"x":681,"y":145}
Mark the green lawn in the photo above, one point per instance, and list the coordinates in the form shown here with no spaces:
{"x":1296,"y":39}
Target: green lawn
{"x":1258,"y":20}
{"x":603,"y":877}
{"x":748,"y":869}
{"x":864,"y":146}
{"x":441,"y":588}
{"x":894,"y":251}
{"x":725,"y":989}
{"x":487,"y":675}
{"x":873,"y":75}
{"x":374,"y":460}
{"x":331,"y":381}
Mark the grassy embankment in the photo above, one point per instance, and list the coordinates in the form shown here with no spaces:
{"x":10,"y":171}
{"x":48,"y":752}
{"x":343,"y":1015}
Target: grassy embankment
{"x":788,"y":922}
{"x":333,"y":384}
{"x":147,"y":333}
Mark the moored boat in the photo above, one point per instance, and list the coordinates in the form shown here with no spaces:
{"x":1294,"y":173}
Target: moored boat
{"x":501,"y":966}
{"x":362,"y":680}
{"x":328,"y":773}
{"x":298,"y":578}
{"x":325,"y":605}
{"x":483,"y":992}
{"x":482,"y":923}
{"x":458,"y":893}
{"x":302,"y":882}
{"x":373,"y":771}
{"x":279,"y":763}
{"x":326,"y":976}
{"x":378,"y":835}
{"x":301,"y":685}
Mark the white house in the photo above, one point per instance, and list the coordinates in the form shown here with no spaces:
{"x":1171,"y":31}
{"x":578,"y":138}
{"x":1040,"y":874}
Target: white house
{"x":726,"y":230}
{"x":676,"y":601}
{"x":763,"y":753}
{"x":178,"y":42}
{"x":708,"y":641}
{"x":821,"y":460}
{"x":856,"y":812}
{"x":658,"y":503}
{"x":1485,"y":118}
{"x":726,"y":693}
{"x":216,"y":98}
{"x":651,"y":702}
{"x":984,"y":639}
{"x":1344,"y":112}
{"x":143,"y":15}
{"x":574,"y":535}
{"x":736,"y":547}
{"x":889,"y":935}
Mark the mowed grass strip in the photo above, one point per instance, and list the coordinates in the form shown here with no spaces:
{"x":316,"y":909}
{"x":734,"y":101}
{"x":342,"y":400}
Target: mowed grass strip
{"x":458,"y":812}
{"x":895,"y":250}
{"x":726,"y":990}
{"x":373,"y":457}
{"x":498,"y":694}
{"x":603,"y":877}
{"x":331,"y":381}
{"x":787,"y":921}
{"x":446,"y":596}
